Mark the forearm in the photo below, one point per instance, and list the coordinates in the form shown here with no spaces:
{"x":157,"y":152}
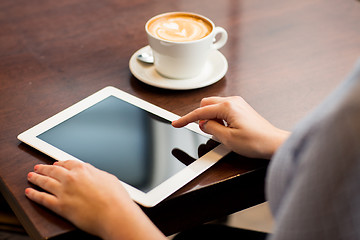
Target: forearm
{"x":134,"y":224}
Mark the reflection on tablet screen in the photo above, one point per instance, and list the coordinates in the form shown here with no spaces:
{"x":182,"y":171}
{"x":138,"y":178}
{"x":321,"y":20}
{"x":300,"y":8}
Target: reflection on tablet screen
{"x":138,"y":147}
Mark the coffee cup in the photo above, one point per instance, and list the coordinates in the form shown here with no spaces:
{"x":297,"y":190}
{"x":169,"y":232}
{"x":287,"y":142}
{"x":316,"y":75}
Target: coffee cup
{"x":181,"y":43}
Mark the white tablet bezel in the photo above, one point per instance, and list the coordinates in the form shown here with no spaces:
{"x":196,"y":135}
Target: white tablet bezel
{"x":158,"y":193}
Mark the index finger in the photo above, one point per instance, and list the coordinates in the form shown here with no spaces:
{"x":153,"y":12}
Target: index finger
{"x":69,"y":164}
{"x":51,"y":171}
{"x":204,"y":113}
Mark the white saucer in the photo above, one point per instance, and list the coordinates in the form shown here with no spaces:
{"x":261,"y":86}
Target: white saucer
{"x":215,"y":68}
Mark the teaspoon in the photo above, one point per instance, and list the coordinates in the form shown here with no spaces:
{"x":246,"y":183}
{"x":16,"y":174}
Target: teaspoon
{"x":146,"y":57}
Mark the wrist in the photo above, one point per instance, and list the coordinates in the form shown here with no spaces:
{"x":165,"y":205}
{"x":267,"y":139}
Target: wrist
{"x":129,"y":222}
{"x":269,"y":143}
{"x":279,"y":138}
{"x":116,"y":221}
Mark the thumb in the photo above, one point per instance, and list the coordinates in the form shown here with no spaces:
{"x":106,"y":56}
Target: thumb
{"x":214,"y":128}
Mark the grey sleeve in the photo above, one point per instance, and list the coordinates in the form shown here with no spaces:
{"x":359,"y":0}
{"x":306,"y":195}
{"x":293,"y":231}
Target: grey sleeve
{"x":313,"y":183}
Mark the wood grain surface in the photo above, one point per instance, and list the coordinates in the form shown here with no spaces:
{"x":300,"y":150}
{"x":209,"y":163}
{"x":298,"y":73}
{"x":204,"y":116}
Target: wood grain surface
{"x":284,"y":57}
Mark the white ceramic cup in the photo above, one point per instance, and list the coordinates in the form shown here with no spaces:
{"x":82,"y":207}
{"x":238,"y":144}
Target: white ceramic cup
{"x":183,"y":60}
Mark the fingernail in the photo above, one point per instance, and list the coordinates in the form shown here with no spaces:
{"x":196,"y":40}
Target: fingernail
{"x":36,"y":167}
{"x":30,"y":174}
{"x":27,"y":191}
{"x":202,"y":124}
{"x":56,"y":163}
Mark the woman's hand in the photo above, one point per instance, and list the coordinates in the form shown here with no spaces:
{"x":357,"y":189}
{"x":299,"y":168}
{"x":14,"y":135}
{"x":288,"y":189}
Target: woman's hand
{"x":237,"y":125}
{"x":93,"y":200}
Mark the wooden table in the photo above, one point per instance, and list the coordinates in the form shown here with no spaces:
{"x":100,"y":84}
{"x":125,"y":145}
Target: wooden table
{"x":284,"y":57}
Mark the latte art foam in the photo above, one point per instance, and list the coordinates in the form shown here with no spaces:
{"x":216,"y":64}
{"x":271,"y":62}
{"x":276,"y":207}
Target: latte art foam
{"x":179,"y":28}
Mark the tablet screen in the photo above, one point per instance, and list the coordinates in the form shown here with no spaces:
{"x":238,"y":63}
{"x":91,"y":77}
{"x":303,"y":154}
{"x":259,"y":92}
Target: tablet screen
{"x":136,"y":146}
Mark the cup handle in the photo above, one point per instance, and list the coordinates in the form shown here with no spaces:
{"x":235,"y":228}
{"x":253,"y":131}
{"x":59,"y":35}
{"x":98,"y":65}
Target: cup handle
{"x":223,"y":38}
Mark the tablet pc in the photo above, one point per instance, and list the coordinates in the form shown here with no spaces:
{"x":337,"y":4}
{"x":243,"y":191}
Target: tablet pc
{"x":130,"y":138}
